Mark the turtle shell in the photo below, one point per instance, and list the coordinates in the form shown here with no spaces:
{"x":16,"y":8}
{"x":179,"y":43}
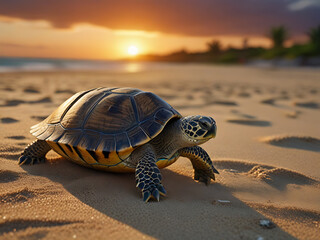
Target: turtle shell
{"x":101,"y":127}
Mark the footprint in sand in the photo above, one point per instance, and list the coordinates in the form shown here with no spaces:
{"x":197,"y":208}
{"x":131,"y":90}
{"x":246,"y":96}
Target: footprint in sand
{"x":312,"y":105}
{"x":244,"y":94}
{"x":257,"y":91}
{"x":10,"y":152}
{"x":23,"y":143}
{"x":223,"y":102}
{"x":274,"y":176}
{"x":16,"y":102}
{"x":11,"y":156}
{"x":31,"y":90}
{"x":59,"y":91}
{"x":12,"y":103}
{"x":190,"y":97}
{"x":16,"y":137}
{"x":8,"y":176}
{"x":313,"y":91}
{"x":21,"y":195}
{"x":39,"y":118}
{"x":167,"y":96}
{"x":250,"y":122}
{"x":208,"y":102}
{"x":42,"y":100}
{"x":217,"y":87}
{"x":10,"y":148}
{"x":298,"y":142}
{"x":272,"y":101}
{"x":8,"y":89}
{"x":8,"y":120}
{"x":243,"y":115}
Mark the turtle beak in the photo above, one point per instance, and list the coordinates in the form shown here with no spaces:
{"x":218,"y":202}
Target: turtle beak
{"x":212,"y":132}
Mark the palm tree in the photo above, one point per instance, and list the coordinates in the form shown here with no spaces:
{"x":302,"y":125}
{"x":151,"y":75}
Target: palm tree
{"x":314,"y":36}
{"x":214,"y":47}
{"x":278,"y":36}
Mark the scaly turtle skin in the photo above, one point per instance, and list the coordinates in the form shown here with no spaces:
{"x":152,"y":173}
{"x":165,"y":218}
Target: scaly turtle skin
{"x":124,"y":130}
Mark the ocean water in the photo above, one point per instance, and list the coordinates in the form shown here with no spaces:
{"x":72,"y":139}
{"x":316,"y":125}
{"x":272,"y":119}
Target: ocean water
{"x":8,"y":64}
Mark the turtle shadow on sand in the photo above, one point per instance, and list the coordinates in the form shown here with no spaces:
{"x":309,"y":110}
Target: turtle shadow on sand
{"x":190,"y":208}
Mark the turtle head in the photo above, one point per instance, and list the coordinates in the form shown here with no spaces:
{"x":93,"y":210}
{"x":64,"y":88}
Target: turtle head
{"x":198,"y":129}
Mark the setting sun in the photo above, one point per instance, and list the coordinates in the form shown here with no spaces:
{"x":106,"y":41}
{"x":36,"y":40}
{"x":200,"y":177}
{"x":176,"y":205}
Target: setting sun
{"x":133,"y":50}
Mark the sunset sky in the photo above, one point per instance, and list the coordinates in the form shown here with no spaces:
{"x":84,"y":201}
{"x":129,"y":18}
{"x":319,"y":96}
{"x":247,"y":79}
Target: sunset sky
{"x":115,"y":29}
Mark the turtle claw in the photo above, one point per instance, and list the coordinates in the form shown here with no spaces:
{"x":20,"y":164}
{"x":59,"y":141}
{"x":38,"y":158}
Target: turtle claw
{"x":24,"y":159}
{"x":156,"y":194}
{"x":146,"y":196}
{"x":215,"y":170}
{"x":153,"y":191}
{"x":162,"y":191}
{"x":203,"y":176}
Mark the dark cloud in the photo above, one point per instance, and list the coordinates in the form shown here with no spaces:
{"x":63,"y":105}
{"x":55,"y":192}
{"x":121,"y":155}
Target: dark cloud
{"x":186,"y":17}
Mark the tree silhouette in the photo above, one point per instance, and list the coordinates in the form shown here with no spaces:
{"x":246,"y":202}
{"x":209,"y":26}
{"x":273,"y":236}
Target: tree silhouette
{"x":278,"y":36}
{"x":214,"y":47}
{"x":314,"y":36}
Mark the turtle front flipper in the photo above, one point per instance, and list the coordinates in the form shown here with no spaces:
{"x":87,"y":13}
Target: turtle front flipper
{"x":201,"y":162}
{"x":148,"y":176}
{"x":34,"y":152}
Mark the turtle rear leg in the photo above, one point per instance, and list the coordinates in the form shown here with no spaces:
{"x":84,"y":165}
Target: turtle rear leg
{"x":34,"y":152}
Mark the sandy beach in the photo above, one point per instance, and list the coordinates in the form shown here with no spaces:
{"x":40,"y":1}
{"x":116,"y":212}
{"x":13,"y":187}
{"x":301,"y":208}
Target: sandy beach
{"x":267,"y":151}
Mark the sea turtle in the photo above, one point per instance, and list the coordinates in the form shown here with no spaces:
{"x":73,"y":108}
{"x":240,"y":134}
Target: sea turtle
{"x":124,"y":130}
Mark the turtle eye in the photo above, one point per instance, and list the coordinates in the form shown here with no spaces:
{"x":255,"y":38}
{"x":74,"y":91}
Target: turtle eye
{"x":205,"y":123}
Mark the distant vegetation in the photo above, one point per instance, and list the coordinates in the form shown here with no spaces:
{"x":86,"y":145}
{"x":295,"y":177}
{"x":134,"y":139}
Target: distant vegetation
{"x":278,"y":35}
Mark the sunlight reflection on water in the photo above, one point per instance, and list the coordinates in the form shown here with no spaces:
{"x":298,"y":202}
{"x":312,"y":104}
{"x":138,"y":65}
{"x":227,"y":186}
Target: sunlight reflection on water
{"x":43,"y":64}
{"x":133,"y":67}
